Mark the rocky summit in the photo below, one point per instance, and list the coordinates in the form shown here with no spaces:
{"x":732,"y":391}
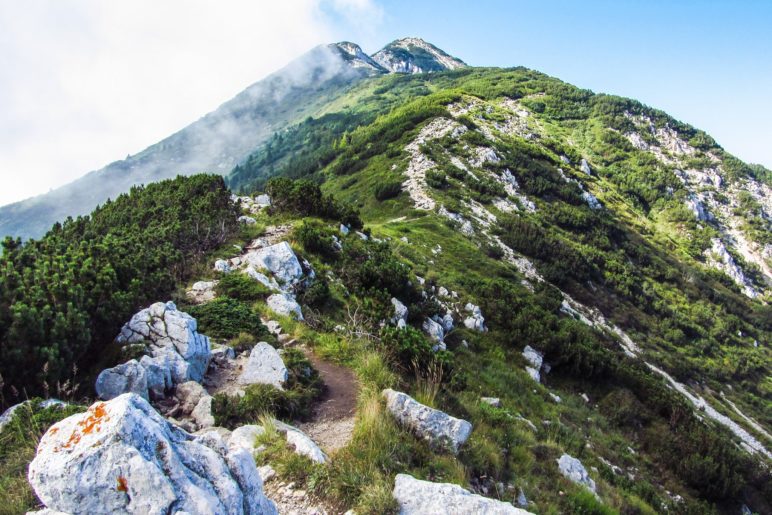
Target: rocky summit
{"x":405,"y":284}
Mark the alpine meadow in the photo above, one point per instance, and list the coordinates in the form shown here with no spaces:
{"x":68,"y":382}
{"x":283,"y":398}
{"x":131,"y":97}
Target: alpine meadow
{"x":395,"y":283}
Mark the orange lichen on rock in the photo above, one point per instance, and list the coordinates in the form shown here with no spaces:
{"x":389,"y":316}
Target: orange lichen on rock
{"x":90,"y":424}
{"x":123,"y":486}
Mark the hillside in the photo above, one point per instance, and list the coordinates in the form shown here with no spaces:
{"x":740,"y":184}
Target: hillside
{"x":223,"y":138}
{"x":477,"y":287}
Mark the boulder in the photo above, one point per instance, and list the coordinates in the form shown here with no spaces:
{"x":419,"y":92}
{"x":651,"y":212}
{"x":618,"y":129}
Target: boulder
{"x":245,"y":437}
{"x":535,"y":375}
{"x":202,"y":413}
{"x":172,"y":338}
{"x":434,"y":426}
{"x":268,"y":282}
{"x":280,"y":260}
{"x":400,"y":311}
{"x":222,"y":266}
{"x":573,"y":469}
{"x":121,"y":456}
{"x":129,"y":377}
{"x":535,"y":359}
{"x":158,"y":375}
{"x":445,"y":321}
{"x":247,"y":220}
{"x":284,"y":304}
{"x":263,"y":200}
{"x":493,"y":401}
{"x":264,"y":366}
{"x":434,"y":330}
{"x":585,"y":167}
{"x":301,"y":443}
{"x":475,"y":320}
{"x":344,"y":230}
{"x":201,"y":291}
{"x":416,"y":497}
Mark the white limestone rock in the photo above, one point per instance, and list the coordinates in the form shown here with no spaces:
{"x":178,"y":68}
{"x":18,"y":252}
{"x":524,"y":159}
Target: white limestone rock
{"x":129,"y":377}
{"x":400,"y":311}
{"x":302,"y":443}
{"x":585,"y":167}
{"x":247,"y":220}
{"x":284,"y":304}
{"x":493,"y":401}
{"x":434,"y":426}
{"x":263,"y":200}
{"x":121,"y":456}
{"x":158,"y":375}
{"x":573,"y":469}
{"x":417,"y":497}
{"x":222,"y":266}
{"x":202,"y":291}
{"x":172,"y":338}
{"x":264,"y":366}
{"x":475,"y":321}
{"x":434,"y":330}
{"x":268,"y":282}
{"x":245,"y":437}
{"x":536,"y":359}
{"x":280,"y":260}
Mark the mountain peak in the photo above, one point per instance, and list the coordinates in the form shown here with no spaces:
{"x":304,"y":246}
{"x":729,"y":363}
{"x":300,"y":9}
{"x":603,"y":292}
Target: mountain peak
{"x":414,"y":55}
{"x":355,"y":56}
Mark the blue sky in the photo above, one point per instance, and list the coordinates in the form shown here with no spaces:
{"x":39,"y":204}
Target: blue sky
{"x":708,"y":63}
{"x":86,"y":82}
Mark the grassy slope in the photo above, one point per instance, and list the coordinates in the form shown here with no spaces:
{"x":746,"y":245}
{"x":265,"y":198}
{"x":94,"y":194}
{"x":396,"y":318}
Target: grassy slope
{"x":686,"y":297}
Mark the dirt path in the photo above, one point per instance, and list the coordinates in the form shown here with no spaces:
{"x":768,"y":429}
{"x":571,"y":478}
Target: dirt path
{"x":332,"y":420}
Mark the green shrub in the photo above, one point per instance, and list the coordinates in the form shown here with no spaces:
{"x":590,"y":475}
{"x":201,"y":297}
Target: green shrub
{"x":387,"y":190}
{"x":411,"y":347}
{"x":226,"y":318}
{"x":436,"y":179}
{"x":242,"y":342}
{"x":317,"y":294}
{"x":240,"y":286}
{"x":583,"y":502}
{"x":316,"y":238}
{"x":294,"y":402}
{"x":18,"y":444}
{"x":305,"y":198}
{"x":65,"y":297}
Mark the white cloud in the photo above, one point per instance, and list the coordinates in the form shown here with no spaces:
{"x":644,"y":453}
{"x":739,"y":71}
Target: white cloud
{"x":85,"y":82}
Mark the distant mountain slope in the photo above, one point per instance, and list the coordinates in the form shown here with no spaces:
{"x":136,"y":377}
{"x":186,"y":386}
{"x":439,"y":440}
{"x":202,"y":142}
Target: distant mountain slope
{"x":223,"y":138}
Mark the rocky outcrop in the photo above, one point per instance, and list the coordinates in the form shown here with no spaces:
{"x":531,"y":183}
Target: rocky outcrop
{"x":435,"y":332}
{"x":245,"y":437}
{"x":475,"y":320}
{"x":284,"y":304}
{"x":434,"y":426}
{"x":129,"y":377}
{"x":171,"y":339}
{"x":536,"y":360}
{"x":301,"y":443}
{"x":720,"y":258}
{"x":416,"y":497}
{"x":585,"y":167}
{"x":222,"y":266}
{"x":264,"y":366}
{"x":573,"y":469}
{"x":201,"y":291}
{"x":400,"y":313}
{"x":121,"y":456}
{"x":194,"y":405}
{"x":280,"y":260}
